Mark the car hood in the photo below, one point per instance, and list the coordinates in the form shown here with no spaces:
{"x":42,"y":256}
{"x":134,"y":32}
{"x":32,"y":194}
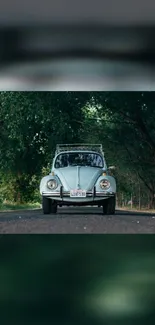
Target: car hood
{"x":78,"y":177}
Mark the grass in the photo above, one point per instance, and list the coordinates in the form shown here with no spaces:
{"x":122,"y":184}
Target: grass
{"x":136,"y":209}
{"x":10,"y":206}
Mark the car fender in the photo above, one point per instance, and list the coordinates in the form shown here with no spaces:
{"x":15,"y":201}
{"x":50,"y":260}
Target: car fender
{"x":112,"y":181}
{"x":43,"y":183}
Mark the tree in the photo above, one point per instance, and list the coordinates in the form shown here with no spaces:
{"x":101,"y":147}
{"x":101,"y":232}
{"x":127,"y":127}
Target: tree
{"x":32,"y":124}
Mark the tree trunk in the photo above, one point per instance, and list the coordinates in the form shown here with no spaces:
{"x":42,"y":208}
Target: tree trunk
{"x":119,"y":199}
{"x":152,"y":201}
{"x":17,"y":194}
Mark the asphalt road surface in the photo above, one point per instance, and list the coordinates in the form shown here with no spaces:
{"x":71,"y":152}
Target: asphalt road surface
{"x":76,"y":220}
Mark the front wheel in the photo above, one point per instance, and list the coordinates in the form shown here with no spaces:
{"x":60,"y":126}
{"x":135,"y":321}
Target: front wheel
{"x":53,"y":207}
{"x":109,"y":206}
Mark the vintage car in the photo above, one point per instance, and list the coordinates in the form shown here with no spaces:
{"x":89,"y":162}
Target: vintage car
{"x":79,"y":176}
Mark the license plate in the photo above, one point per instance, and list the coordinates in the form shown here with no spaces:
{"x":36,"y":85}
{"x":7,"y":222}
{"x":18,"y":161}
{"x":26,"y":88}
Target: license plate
{"x":77,"y":193}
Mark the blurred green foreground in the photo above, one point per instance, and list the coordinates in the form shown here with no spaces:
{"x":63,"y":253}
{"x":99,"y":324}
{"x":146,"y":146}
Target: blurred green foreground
{"x":87,"y":280}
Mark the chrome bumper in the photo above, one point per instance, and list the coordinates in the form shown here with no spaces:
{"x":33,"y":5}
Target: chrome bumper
{"x":64,"y":194}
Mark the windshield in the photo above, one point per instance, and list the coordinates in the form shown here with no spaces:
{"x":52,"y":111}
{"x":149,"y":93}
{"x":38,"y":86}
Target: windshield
{"x":79,"y":159}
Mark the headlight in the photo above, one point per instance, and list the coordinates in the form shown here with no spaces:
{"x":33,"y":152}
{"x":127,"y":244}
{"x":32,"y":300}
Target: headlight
{"x":52,"y":184}
{"x":104,"y":184}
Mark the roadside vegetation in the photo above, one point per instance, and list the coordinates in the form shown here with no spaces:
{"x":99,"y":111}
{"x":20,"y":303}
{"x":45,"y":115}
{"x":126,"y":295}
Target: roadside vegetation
{"x":32,"y":123}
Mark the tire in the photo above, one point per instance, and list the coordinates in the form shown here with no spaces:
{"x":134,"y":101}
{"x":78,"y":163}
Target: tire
{"x":46,"y":204}
{"x":53,"y":207}
{"x":109,"y":206}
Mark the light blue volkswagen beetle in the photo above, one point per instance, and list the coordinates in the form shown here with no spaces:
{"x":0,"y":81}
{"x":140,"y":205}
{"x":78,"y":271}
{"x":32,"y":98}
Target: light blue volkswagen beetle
{"x":79,"y":176}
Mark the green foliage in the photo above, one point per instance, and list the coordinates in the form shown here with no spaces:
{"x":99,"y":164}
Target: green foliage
{"x":33,"y":123}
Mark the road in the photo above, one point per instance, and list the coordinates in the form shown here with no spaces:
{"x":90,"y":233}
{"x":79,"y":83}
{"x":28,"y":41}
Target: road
{"x":76,"y":220}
